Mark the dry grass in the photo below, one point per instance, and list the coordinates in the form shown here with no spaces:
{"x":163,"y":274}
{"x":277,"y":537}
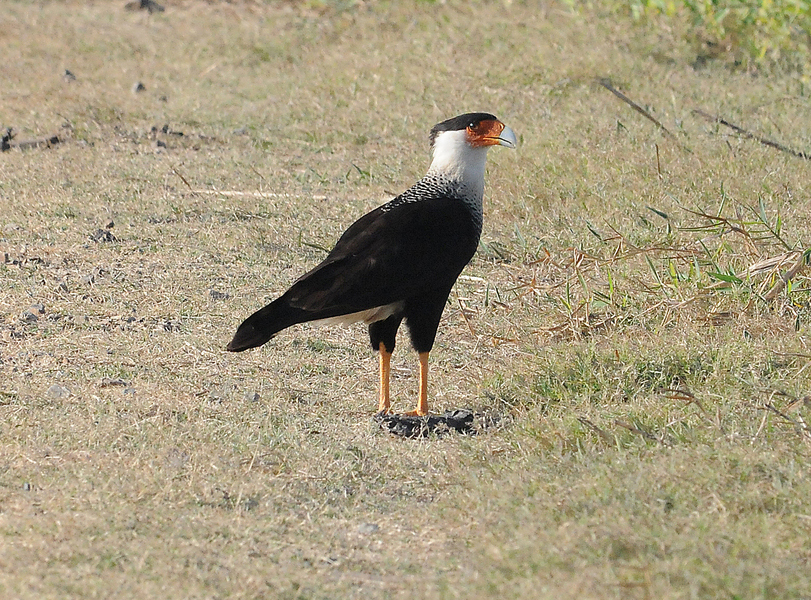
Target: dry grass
{"x":645,"y":391}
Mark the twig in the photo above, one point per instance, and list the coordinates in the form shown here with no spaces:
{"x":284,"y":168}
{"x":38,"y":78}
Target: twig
{"x":252,"y":168}
{"x":679,"y":394}
{"x":645,"y":434}
{"x":183,"y":179}
{"x":799,"y":426}
{"x":771,"y":265}
{"x":603,"y":435}
{"x":464,"y":316}
{"x":658,"y":163}
{"x":751,"y":136}
{"x":717,"y":219}
{"x":606,"y":83}
{"x":798,"y":266}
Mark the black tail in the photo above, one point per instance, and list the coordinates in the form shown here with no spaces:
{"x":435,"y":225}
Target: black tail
{"x":264,"y":324}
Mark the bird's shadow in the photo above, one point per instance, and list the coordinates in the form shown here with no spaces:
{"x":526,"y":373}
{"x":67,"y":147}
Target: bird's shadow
{"x":452,"y":421}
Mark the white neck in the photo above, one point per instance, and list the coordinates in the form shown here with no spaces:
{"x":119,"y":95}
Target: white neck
{"x":456,"y":160}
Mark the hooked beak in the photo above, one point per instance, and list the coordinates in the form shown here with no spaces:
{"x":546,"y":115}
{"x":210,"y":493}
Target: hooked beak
{"x":507,"y":138}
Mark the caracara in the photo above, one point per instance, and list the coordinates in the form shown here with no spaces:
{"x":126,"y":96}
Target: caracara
{"x":401,"y":260}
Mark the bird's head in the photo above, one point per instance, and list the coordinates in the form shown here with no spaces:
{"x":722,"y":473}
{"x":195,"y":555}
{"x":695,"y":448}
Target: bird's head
{"x":460,"y":144}
{"x":477,"y":130}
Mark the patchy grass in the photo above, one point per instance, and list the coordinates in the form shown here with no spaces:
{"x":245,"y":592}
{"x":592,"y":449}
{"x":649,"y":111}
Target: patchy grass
{"x":624,"y":331}
{"x":745,"y":33}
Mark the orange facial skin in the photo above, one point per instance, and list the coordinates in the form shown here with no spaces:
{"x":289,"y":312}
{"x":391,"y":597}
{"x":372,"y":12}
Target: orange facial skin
{"x":486,"y":133}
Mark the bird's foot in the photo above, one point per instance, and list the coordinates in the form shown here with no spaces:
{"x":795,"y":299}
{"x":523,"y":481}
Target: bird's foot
{"x":388,"y":412}
{"x":415,"y":413}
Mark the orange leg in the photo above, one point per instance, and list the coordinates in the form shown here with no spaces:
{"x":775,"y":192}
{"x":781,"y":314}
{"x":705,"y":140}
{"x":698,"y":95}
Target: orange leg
{"x":422,"y":404}
{"x":385,"y":374}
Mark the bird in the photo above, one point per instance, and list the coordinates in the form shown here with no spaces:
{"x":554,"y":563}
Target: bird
{"x":400,"y":261}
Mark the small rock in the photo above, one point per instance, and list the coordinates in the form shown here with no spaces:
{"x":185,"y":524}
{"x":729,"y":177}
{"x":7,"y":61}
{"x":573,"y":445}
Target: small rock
{"x":240,"y":131}
{"x":57,"y":392}
{"x":165,"y":129}
{"x":63,"y":286}
{"x":37,"y":308}
{"x":5,"y":141}
{"x":29,"y":317}
{"x":251,"y":396}
{"x":460,"y":421}
{"x":160,"y":144}
{"x":138,"y":87}
{"x":103,"y":235}
{"x":215,"y":295}
{"x":68,"y":76}
{"x":177,"y":458}
{"x":368,"y":528}
{"x":110,"y":382}
{"x":171,"y":325}
{"x":110,"y":224}
{"x":223,"y":392}
{"x":128,"y":391}
{"x":148,"y":5}
{"x":26,"y":487}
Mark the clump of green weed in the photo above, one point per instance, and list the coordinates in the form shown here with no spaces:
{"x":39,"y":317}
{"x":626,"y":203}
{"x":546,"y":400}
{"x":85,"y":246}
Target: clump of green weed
{"x":752,"y":33}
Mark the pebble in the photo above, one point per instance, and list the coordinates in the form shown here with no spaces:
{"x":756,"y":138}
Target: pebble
{"x":368,"y":528}
{"x":57,"y":392}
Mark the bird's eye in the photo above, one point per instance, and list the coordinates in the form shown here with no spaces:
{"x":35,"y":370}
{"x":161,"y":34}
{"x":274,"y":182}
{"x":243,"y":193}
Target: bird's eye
{"x":472,"y":125}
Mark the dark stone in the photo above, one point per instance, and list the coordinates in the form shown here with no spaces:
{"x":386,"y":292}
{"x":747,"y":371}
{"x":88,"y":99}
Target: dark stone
{"x":148,"y":5}
{"x":6,"y":140}
{"x":459,"y":420}
{"x":103,"y":235}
